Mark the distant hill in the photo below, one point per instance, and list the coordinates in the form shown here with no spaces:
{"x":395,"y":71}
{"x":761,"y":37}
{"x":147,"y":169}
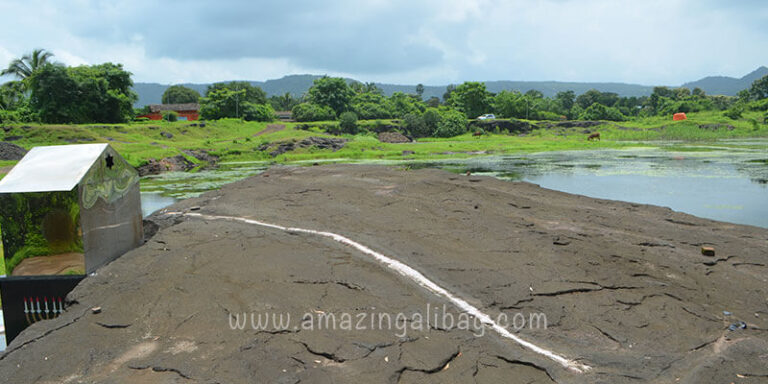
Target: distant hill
{"x":723,"y":85}
{"x":151,"y":93}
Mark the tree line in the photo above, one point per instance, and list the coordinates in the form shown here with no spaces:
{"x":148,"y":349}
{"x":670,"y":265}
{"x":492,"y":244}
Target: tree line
{"x":53,"y":93}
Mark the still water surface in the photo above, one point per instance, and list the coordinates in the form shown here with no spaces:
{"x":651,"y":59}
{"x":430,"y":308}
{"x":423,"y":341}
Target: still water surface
{"x":725,"y":181}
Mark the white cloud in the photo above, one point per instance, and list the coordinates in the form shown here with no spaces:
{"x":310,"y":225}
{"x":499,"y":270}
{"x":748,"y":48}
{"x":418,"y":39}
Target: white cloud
{"x":432,"y":42}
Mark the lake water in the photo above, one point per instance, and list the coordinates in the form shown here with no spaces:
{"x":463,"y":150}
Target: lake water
{"x":727,"y":180}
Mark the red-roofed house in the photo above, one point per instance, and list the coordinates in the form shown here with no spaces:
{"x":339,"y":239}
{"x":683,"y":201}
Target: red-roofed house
{"x":189,"y":111}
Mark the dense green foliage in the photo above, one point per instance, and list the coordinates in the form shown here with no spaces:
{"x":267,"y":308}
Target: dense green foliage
{"x":332,"y":92}
{"x":348,"y":123}
{"x":97,"y":93}
{"x":251,"y":94}
{"x":372,"y":105}
{"x":452,"y":123}
{"x":284,"y":102}
{"x":258,"y":112}
{"x":598,"y":111}
{"x":236,"y":99}
{"x":759,"y":89}
{"x":312,"y":112}
{"x":471,"y":98}
{"x":179,"y":94}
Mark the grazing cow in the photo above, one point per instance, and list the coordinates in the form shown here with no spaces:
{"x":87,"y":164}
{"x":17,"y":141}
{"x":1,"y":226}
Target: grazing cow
{"x":478,"y":133}
{"x":594,"y":136}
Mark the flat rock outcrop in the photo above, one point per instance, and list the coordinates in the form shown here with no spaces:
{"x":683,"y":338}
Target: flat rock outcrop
{"x":624,"y":288}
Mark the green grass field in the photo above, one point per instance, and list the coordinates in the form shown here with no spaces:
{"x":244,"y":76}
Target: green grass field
{"x":235,"y":140}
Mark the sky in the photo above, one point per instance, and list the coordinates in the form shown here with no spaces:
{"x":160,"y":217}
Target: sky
{"x":434,"y":42}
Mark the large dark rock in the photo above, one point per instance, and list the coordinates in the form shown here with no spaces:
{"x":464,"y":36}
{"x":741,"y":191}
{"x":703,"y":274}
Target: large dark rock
{"x":716,"y":126}
{"x":393,"y":137}
{"x":611,"y":297}
{"x":277,"y":149}
{"x":576,"y":124}
{"x":9,"y":151}
{"x":511,"y":126}
{"x":202,"y":155}
{"x":176,"y":163}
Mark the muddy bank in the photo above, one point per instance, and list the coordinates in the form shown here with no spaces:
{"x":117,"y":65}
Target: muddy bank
{"x":624,"y":287}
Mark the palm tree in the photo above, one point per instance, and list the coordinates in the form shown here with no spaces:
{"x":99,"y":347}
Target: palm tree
{"x":24,"y":67}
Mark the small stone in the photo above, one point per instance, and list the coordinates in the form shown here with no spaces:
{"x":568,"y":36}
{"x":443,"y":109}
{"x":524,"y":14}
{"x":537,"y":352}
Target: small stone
{"x":707,"y":251}
{"x":96,"y":310}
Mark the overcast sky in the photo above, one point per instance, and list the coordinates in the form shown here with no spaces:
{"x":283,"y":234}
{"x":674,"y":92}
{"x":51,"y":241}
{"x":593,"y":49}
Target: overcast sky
{"x":432,"y":42}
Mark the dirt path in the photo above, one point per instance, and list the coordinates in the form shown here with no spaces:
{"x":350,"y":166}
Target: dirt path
{"x":624,"y":288}
{"x":271,"y":128}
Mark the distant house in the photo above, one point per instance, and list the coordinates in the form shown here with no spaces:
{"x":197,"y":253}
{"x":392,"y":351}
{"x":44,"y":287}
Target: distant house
{"x":189,"y":111}
{"x":284,"y":115}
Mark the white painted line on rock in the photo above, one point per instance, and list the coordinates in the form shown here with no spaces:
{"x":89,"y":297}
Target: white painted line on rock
{"x":416,"y":276}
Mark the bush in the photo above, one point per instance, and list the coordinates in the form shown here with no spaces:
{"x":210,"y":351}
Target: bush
{"x":348,"y":123}
{"x":170,"y":116}
{"x":258,"y":112}
{"x":734,"y":113}
{"x":312,"y":112}
{"x":431,"y":118}
{"x":546,"y":115}
{"x":414,"y":125}
{"x":760,"y":105}
{"x":598,"y":111}
{"x":369,"y":111}
{"x":21,"y":115}
{"x":452,"y":123}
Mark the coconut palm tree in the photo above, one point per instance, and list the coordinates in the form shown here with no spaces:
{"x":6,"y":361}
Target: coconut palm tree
{"x":27,"y":64}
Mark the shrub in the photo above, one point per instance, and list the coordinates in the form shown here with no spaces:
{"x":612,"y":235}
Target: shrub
{"x":170,"y":116}
{"x":734,"y":113}
{"x":598,"y":111}
{"x":21,"y":115}
{"x":759,"y":105}
{"x":348,"y":123}
{"x":414,"y":124}
{"x":312,"y":112}
{"x":452,"y":123}
{"x":546,"y":115}
{"x":258,"y":112}
{"x":368,"y":111}
{"x":431,"y":118}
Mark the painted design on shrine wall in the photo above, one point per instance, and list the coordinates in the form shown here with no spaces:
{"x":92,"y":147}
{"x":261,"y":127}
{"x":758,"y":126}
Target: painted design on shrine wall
{"x":110,"y":180}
